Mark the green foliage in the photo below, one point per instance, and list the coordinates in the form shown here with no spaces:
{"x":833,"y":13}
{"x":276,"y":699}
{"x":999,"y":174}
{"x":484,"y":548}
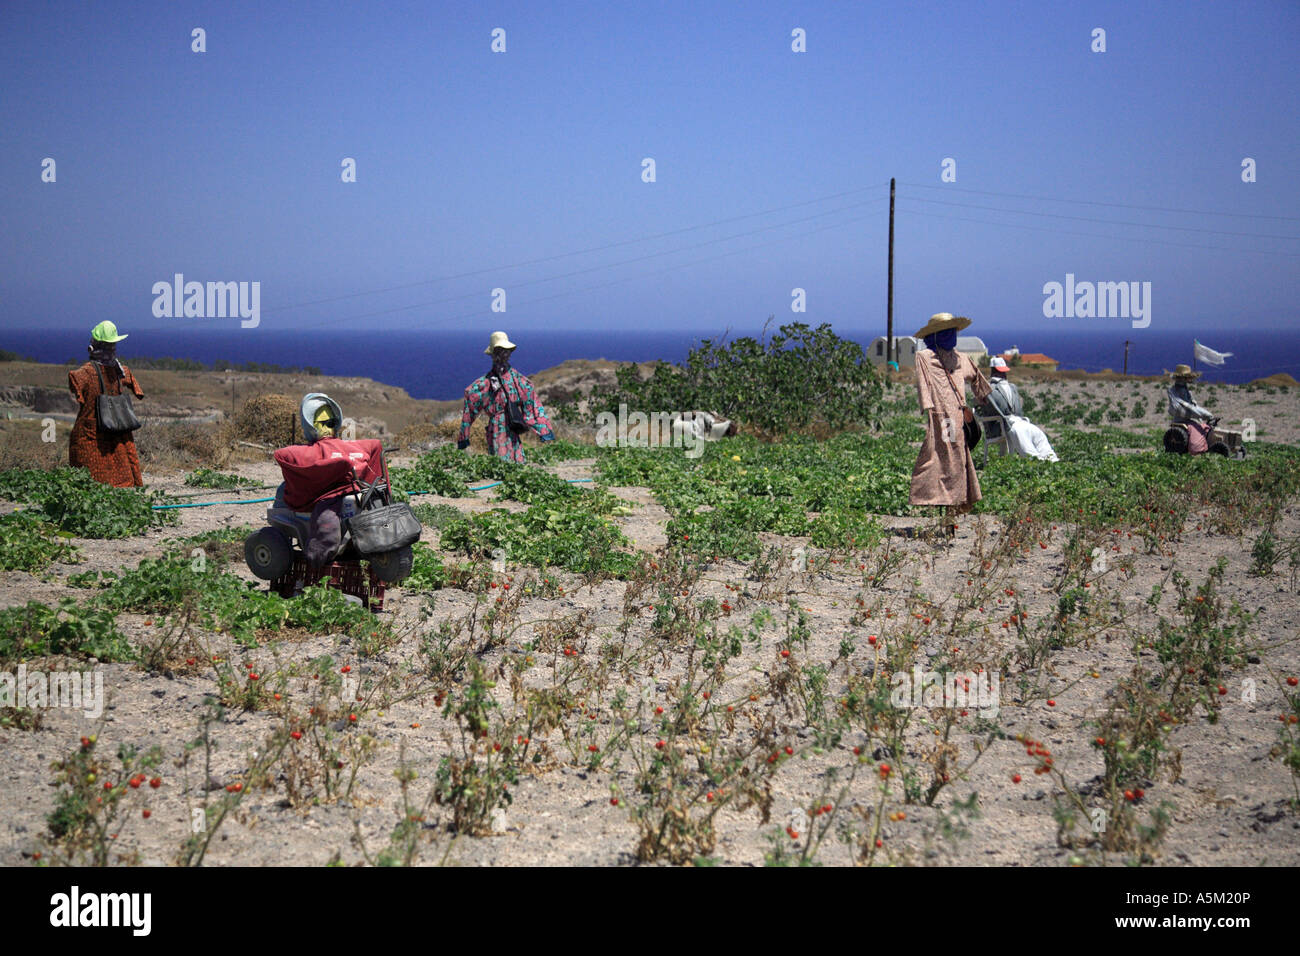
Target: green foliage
{"x":93,"y":800}
{"x":548,"y":453}
{"x":216,"y":536}
{"x":434,"y":472}
{"x":445,"y":471}
{"x":208,"y":478}
{"x":37,"y":630}
{"x":717,"y":501}
{"x":772,"y":488}
{"x":427,"y":570}
{"x":435,"y":516}
{"x":531,"y":486}
{"x":28,"y":543}
{"x":91,"y":579}
{"x":221,"y":601}
{"x":798,"y":378}
{"x":567,"y":538}
{"x":846,"y":528}
{"x":74,"y":502}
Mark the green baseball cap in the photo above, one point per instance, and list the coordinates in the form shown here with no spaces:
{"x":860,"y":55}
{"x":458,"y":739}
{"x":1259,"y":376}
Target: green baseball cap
{"x":106,"y":332}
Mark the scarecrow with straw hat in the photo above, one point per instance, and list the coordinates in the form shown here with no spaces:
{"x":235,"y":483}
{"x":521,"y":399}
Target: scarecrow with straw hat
{"x":945,"y":473}
{"x":1005,"y":407}
{"x":509,"y":401}
{"x":110,"y":456}
{"x":1183,"y":410}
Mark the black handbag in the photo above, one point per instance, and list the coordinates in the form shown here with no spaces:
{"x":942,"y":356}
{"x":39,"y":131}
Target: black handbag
{"x":386,"y":528}
{"x":970,"y":430}
{"x":114,"y":411}
{"x":515,"y":415}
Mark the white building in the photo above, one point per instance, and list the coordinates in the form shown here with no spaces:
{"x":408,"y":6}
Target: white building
{"x":972,"y":346}
{"x":904,"y":350}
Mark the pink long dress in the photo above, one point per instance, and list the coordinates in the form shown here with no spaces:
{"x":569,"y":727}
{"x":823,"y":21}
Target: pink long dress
{"x":944,"y":473}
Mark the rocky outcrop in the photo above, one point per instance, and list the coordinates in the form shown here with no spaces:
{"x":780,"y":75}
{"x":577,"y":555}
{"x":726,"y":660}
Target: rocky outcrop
{"x":37,"y":398}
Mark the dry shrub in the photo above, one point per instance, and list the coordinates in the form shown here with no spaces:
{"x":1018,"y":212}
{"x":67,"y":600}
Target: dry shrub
{"x":21,"y":445}
{"x":183,"y":445}
{"x":422,"y":436}
{"x":449,"y":429}
{"x":270,"y":419}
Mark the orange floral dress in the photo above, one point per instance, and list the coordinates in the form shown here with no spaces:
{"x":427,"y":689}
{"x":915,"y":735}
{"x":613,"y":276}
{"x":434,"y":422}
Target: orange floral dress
{"x":110,"y":456}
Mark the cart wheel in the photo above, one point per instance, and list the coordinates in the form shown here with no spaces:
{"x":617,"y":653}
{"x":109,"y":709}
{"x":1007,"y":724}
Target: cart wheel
{"x":268,"y":554}
{"x":1176,"y":441}
{"x":1219,"y":448}
{"x":392,"y":566}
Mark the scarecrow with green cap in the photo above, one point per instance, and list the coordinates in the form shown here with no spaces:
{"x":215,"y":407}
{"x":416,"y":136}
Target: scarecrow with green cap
{"x":109,"y":456}
{"x":507,"y":398}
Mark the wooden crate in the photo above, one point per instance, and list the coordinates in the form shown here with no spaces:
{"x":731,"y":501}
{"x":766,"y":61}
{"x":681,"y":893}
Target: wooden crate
{"x":350,"y":577}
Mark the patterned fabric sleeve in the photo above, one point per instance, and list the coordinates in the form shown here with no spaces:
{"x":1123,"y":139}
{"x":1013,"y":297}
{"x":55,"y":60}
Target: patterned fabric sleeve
{"x":473,"y":405}
{"x":534,"y":413}
{"x":924,"y":387}
{"x":129,"y":379}
{"x":74,"y":386}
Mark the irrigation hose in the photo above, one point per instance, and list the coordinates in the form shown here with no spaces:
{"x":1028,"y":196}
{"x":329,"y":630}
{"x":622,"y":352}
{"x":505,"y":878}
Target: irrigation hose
{"x":209,"y":504}
{"x":256,"y":501}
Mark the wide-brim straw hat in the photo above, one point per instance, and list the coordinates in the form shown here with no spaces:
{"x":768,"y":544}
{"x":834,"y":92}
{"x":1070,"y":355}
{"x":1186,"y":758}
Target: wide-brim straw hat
{"x":941,"y":322}
{"x":1183,"y":372}
{"x":499,"y":340}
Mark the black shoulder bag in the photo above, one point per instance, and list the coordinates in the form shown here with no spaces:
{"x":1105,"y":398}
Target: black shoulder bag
{"x":514,"y":414}
{"x":114,"y":411}
{"x":971,"y":429}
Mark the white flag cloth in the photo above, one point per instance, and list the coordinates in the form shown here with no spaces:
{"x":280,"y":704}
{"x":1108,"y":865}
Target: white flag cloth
{"x":1026,"y":438}
{"x":1208,"y":355}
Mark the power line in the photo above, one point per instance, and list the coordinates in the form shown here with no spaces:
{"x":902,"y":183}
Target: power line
{"x":582,"y":252}
{"x":597,"y":268}
{"x":1093,"y":235}
{"x":1113,"y":205}
{"x":632,"y":278}
{"x":1108,"y":222}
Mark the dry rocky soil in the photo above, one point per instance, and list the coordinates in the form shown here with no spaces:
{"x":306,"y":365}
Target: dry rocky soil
{"x":1228,"y":800}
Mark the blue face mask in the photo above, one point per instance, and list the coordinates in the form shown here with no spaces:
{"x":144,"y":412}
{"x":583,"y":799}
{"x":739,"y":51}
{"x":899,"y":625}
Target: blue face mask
{"x":947,"y":339}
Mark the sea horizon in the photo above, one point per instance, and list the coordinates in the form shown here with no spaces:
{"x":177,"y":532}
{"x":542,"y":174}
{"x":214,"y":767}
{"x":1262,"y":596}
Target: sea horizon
{"x":439,"y":364}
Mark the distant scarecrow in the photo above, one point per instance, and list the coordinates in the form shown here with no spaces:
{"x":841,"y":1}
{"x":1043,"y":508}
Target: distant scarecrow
{"x":493,"y":395}
{"x":110,"y":457}
{"x":944,"y":473}
{"x":1184,"y":409}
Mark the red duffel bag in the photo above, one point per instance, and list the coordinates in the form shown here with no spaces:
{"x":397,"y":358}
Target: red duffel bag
{"x":327,"y":469}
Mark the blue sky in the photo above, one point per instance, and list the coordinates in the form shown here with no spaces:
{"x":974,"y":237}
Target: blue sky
{"x":225,"y":165}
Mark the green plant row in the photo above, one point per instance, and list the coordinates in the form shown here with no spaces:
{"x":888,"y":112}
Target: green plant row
{"x":76,"y":503}
{"x":222,"y":601}
{"x":567,"y":538}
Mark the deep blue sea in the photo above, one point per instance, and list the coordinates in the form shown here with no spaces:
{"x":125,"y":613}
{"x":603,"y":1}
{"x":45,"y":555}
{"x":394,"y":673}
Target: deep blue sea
{"x":440,"y":364}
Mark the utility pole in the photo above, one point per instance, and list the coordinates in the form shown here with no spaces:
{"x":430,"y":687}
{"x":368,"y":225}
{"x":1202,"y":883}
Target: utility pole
{"x":889,"y":312}
{"x":1127,"y":343}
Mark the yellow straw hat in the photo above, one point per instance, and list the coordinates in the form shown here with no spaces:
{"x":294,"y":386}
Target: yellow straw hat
{"x":499,"y":340}
{"x":942,"y":321}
